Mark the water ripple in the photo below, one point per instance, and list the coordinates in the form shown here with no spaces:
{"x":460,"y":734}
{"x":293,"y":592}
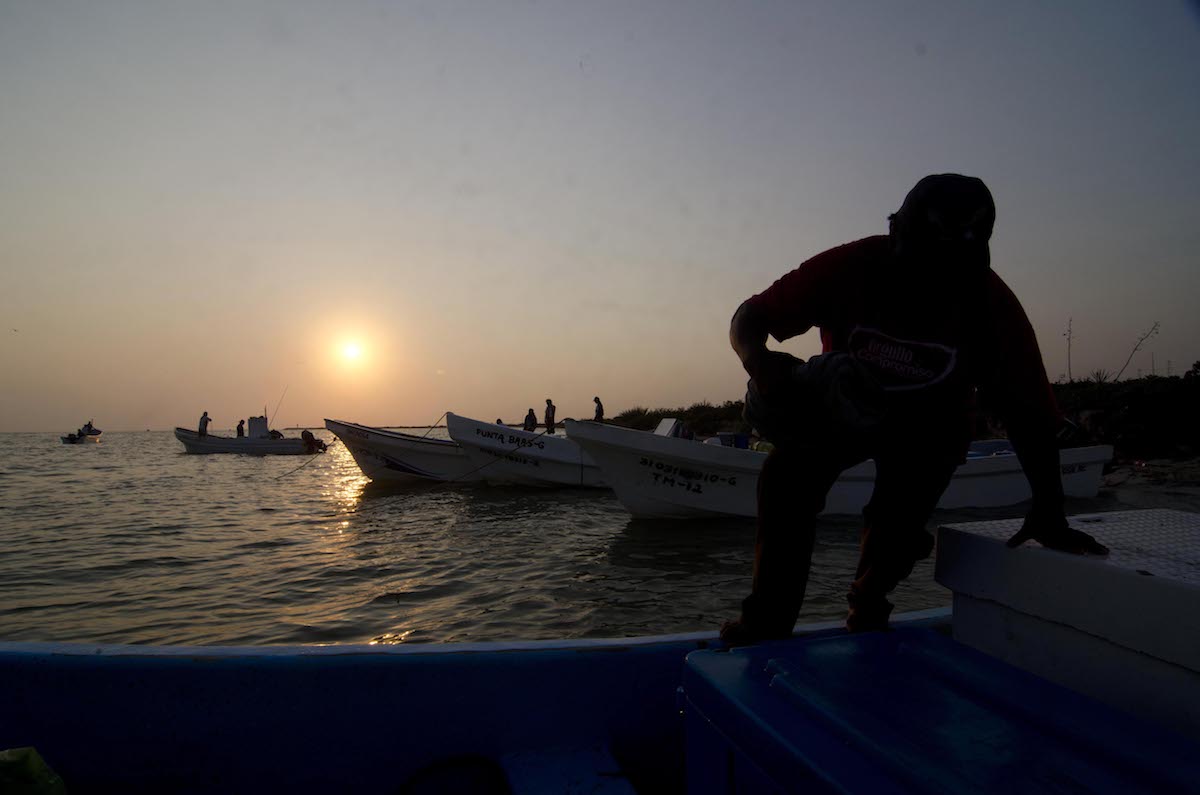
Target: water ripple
{"x":131,"y":541}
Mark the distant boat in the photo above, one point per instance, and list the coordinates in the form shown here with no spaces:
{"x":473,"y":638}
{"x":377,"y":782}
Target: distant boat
{"x":390,"y":455}
{"x":87,"y":433}
{"x":259,"y":441}
{"x":659,"y":476}
{"x":507,"y":455}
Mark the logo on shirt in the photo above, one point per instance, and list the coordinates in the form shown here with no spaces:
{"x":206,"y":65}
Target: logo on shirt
{"x":901,"y":364}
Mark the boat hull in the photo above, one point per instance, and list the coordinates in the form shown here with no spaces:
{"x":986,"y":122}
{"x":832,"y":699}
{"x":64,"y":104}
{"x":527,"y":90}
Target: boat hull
{"x":88,"y":437}
{"x":506,"y":456}
{"x":196,"y":444}
{"x":354,"y":718}
{"x":667,"y":477}
{"x":393,"y":456}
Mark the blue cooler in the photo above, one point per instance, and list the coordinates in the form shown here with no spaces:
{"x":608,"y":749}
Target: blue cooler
{"x":909,"y":711}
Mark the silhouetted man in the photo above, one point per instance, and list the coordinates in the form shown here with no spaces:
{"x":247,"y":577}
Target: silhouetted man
{"x":241,"y":428}
{"x":549,"y":416}
{"x":311,"y":443}
{"x":912,"y":323}
{"x":599,"y":410}
{"x":204,"y":420}
{"x":530,"y":421}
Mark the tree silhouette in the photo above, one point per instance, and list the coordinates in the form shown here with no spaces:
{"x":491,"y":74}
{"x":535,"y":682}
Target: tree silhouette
{"x":1136,"y":347}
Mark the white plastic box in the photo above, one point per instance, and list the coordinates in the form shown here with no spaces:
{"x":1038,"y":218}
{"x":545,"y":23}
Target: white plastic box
{"x":1124,"y":629}
{"x":258,"y":428}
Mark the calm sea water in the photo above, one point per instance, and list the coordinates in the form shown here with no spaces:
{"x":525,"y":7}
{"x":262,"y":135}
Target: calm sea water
{"x":132,"y":541}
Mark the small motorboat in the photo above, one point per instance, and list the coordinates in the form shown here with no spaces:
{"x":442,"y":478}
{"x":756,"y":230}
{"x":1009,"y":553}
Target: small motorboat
{"x":88,"y":433}
{"x":259,"y":441}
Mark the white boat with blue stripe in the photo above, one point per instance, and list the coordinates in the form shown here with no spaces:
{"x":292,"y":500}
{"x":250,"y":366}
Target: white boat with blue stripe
{"x":512,"y":456}
{"x":659,"y":475}
{"x":394,"y":456}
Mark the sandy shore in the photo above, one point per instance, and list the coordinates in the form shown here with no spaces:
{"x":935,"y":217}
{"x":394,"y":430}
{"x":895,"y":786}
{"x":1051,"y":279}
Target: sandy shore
{"x":1159,"y":483}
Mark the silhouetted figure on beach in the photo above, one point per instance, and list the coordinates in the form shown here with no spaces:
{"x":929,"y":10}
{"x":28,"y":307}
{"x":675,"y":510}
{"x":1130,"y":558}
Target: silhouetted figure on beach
{"x":599,"y":410}
{"x":549,"y":416}
{"x":204,"y":420}
{"x":241,"y":428}
{"x":912,"y":323}
{"x":530,"y":422}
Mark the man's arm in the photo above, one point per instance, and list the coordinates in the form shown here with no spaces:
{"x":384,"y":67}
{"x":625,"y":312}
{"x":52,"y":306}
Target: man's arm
{"x":748,"y":336}
{"x":1046,"y":521}
{"x":792,"y":305}
{"x":1016,"y":379}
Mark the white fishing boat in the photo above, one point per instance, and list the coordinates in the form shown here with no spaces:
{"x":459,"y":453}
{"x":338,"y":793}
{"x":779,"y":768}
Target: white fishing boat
{"x":659,"y":476}
{"x":259,"y":441}
{"x":390,"y":455}
{"x":1065,"y":674}
{"x":507,"y":455}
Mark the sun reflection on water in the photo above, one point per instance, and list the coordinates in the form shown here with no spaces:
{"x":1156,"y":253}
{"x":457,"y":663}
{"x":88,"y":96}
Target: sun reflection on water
{"x":346,"y":490}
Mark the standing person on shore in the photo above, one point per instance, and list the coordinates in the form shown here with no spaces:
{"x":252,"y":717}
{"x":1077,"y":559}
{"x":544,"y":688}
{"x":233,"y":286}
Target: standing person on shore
{"x":530,"y":421}
{"x":911,"y":324}
{"x":599,"y":410}
{"x":204,"y":420}
{"x":549,"y":416}
{"x":241,"y":428}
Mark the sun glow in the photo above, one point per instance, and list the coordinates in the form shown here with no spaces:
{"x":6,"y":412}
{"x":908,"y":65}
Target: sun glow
{"x":351,"y":351}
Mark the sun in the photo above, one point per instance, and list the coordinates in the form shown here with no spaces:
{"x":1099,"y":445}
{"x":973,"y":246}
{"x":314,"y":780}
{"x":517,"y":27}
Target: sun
{"x":351,"y":351}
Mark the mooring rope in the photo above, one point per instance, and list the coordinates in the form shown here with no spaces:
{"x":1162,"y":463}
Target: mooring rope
{"x":309,"y":461}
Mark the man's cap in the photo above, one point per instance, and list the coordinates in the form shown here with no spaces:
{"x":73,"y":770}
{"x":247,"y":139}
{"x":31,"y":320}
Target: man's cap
{"x":947,"y":207}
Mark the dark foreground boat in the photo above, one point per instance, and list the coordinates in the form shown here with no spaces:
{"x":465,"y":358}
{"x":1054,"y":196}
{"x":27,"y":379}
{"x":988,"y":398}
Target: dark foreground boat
{"x":910,"y":710}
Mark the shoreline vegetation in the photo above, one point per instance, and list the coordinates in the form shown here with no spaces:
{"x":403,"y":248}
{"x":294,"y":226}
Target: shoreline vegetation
{"x":1147,"y":418}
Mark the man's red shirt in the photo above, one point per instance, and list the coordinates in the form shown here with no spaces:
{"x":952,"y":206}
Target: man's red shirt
{"x":929,"y":342}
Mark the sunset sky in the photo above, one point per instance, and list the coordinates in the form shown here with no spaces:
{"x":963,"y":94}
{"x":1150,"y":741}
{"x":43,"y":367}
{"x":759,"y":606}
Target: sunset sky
{"x":202,"y":204}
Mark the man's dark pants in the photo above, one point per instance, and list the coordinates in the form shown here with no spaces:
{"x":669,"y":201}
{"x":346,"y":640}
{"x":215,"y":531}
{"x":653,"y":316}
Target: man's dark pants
{"x":912,"y":470}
